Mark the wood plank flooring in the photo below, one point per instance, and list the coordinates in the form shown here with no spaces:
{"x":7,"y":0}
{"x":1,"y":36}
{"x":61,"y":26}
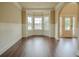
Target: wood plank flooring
{"x":44,"y":47}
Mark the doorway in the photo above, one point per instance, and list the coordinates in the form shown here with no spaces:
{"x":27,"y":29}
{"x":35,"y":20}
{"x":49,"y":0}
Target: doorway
{"x":68,"y":26}
{"x":68,"y":21}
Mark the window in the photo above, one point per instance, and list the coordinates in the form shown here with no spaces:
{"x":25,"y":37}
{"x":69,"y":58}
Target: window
{"x":30,"y":21}
{"x":38,"y":23}
{"x":67,"y":23}
{"x":46,"y":23}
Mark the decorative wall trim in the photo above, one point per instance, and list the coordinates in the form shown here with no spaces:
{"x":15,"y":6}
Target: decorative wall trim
{"x":13,"y":48}
{"x":17,"y":4}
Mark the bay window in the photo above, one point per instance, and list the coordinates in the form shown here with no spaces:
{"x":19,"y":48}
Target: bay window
{"x":38,"y":22}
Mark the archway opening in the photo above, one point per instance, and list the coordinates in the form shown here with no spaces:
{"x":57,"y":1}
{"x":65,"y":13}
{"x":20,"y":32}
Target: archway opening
{"x":68,"y":20}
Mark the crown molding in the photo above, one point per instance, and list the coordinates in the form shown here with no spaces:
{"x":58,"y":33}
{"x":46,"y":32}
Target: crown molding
{"x":17,"y":5}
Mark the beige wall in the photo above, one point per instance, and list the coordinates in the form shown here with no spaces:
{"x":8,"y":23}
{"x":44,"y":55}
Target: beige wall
{"x":10,"y":25}
{"x":52,"y":15}
{"x":69,"y":10}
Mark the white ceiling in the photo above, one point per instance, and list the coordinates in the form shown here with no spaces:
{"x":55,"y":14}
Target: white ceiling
{"x":38,"y":5}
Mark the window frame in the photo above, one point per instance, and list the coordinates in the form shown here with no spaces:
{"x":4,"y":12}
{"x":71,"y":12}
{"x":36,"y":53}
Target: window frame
{"x":31,"y":24}
{"x":40,"y":23}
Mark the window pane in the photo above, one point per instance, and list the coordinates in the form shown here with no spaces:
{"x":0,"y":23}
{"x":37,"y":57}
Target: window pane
{"x":38,"y":20}
{"x":30,"y":23}
{"x":67,"y":23}
{"x":29,"y":19}
{"x":46,"y":23}
{"x":38,"y":23}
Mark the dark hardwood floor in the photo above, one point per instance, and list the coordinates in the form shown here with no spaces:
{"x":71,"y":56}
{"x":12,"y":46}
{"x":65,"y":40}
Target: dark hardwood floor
{"x":44,"y":47}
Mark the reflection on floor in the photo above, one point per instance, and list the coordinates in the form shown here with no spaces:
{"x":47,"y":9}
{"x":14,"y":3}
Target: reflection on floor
{"x":66,"y":48}
{"x":45,"y":47}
